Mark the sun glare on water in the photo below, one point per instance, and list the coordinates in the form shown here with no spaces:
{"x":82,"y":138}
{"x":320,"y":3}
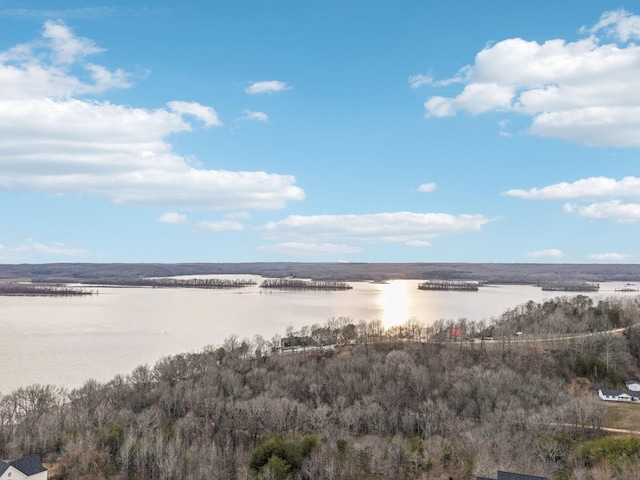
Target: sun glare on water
{"x":394,"y":302}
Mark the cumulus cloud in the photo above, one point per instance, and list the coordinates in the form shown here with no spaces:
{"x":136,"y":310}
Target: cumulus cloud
{"x":172,"y":217}
{"x":308,"y":249}
{"x":205,"y":114}
{"x":584,"y":90}
{"x":613,"y":210}
{"x":396,"y":227}
{"x":66,"y":47}
{"x":617,"y":193}
{"x":270,"y":86}
{"x":427,"y":187}
{"x":550,"y":253}
{"x":220,"y":226}
{"x":41,"y":68}
{"x":255,"y":116}
{"x":608,"y":257}
{"x":55,"y":140}
{"x":593,"y":187}
{"x":618,"y":24}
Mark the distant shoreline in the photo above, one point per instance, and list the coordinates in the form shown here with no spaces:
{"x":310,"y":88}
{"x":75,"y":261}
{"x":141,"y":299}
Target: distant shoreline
{"x":496,"y":273}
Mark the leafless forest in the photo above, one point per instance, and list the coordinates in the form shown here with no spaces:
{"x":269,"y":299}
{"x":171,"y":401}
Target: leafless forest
{"x":452,"y":400}
{"x":504,"y":273}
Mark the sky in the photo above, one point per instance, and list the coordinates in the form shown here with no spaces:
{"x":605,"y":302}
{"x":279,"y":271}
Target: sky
{"x":333,"y":131}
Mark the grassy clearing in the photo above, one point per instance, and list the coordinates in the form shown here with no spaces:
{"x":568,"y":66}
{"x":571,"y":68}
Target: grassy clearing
{"x":621,"y":415}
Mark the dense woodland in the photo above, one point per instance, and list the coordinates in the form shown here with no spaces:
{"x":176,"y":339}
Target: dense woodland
{"x":40,"y":289}
{"x":503,"y":273}
{"x":408,"y":402}
{"x":298,"y":284}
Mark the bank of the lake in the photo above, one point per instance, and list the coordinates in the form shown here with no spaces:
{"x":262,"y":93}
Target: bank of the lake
{"x":65,"y":340}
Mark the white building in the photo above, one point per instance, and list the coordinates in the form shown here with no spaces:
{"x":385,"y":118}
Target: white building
{"x":612,"y":396}
{"x":28,"y":467}
{"x":633,"y":385}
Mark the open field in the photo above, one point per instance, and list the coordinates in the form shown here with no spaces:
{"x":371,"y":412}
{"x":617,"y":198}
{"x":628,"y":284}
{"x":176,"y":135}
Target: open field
{"x":625,"y":416}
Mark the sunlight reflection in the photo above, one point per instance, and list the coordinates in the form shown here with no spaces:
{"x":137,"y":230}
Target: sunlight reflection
{"x":395,"y":304}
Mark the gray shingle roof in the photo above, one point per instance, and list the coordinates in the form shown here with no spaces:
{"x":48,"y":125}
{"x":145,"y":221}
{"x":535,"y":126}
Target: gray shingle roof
{"x":29,"y":465}
{"x":615,"y":393}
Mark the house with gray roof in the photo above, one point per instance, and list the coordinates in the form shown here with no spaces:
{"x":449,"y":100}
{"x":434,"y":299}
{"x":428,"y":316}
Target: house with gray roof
{"x":30,"y":468}
{"x":619,"y":395}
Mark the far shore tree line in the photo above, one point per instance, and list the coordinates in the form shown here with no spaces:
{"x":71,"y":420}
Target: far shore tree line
{"x":35,"y":289}
{"x":58,"y":289}
{"x":408,"y":402}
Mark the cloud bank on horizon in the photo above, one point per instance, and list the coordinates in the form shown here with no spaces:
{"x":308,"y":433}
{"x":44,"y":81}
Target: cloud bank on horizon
{"x":66,"y":132}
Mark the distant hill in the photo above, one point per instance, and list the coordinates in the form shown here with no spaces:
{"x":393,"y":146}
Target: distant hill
{"x":519,"y":273}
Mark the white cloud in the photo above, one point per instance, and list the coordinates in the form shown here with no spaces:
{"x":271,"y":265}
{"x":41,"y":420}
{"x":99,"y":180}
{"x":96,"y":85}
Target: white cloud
{"x":613,"y":210}
{"x":53,"y":142}
{"x":550,"y":253}
{"x":42,"y":68}
{"x":615,"y":191}
{"x":255,"y":116}
{"x":221,"y":226}
{"x":397,"y":227}
{"x":205,"y":114}
{"x":303,"y":249}
{"x":416,"y":81}
{"x":584,"y":91}
{"x":66,"y":47}
{"x":270,"y":86}
{"x":172,"y":217}
{"x":427,"y":187}
{"x":611,"y":256}
{"x":593,"y":187}
{"x":31,"y":250}
{"x":618,"y":24}
{"x":439,"y":107}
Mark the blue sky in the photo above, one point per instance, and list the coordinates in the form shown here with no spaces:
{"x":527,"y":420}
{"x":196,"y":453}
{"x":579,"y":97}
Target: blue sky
{"x":360,"y":131}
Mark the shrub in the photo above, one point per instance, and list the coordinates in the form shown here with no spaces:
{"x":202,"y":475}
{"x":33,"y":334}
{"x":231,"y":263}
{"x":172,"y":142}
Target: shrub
{"x":277,"y":455}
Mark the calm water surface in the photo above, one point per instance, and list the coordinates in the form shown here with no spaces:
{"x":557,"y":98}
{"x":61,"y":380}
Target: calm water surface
{"x":66,"y":340}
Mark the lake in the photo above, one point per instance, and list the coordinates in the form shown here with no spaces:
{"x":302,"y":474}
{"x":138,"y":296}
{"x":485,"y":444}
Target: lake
{"x":66,"y":340}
